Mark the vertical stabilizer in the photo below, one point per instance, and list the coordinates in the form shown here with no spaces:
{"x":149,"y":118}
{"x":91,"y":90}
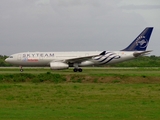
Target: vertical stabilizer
{"x":141,"y":42}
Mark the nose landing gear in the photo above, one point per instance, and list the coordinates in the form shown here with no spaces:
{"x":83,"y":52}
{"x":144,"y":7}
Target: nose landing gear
{"x":21,"y":69}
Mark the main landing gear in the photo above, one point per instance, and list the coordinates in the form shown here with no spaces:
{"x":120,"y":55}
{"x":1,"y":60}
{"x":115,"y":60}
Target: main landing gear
{"x":77,"y":70}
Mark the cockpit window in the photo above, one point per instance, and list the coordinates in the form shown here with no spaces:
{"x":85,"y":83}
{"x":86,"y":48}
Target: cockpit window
{"x":10,"y":56}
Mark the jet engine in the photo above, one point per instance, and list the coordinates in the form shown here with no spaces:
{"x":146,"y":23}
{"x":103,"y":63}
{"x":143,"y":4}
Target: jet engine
{"x":58,"y":66}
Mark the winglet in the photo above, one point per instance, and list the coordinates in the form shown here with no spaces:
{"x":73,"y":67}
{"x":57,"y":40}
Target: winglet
{"x":103,"y":53}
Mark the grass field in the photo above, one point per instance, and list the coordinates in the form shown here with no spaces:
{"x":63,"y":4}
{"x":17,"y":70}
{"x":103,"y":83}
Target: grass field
{"x":129,"y":94}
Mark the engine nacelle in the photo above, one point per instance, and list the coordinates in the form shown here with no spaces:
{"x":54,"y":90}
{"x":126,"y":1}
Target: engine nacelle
{"x":58,"y":66}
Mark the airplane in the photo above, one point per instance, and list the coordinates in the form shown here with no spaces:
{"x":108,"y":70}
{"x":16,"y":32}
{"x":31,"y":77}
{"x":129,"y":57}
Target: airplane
{"x":64,"y":60}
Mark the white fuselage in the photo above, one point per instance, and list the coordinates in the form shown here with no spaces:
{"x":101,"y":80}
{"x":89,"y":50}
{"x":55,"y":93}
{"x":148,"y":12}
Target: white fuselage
{"x":45,"y":58}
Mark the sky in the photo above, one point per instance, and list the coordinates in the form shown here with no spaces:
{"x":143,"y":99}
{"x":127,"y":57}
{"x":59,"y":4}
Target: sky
{"x":76,"y":25}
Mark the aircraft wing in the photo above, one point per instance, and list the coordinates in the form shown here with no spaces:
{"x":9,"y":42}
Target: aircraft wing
{"x":136,"y":54}
{"x":81,"y":59}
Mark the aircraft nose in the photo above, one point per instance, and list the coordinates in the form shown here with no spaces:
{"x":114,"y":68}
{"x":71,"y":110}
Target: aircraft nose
{"x":6,"y":59}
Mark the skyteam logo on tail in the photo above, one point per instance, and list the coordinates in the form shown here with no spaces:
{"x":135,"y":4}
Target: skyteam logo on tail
{"x":141,"y":42}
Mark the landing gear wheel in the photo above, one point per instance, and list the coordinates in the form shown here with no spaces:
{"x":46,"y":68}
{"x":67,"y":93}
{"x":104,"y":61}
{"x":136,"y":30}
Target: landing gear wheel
{"x":80,"y":70}
{"x":75,"y":69}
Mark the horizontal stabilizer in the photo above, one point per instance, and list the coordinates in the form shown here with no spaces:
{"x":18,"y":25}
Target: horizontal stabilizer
{"x":137,"y":54}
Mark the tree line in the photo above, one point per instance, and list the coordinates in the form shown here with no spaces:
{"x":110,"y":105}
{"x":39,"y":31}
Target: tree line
{"x":2,"y":61}
{"x":144,"y":61}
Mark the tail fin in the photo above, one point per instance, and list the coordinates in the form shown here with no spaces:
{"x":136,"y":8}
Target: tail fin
{"x":141,"y":42}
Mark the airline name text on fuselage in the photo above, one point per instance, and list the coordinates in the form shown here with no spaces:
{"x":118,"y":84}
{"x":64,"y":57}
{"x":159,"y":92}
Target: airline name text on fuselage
{"x":38,"y":55}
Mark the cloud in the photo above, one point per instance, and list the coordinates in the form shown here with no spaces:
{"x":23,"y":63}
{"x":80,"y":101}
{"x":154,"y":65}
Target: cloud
{"x":140,"y":7}
{"x":64,"y":25}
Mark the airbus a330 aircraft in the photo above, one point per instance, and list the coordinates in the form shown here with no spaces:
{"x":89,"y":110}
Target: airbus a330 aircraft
{"x":64,"y":60}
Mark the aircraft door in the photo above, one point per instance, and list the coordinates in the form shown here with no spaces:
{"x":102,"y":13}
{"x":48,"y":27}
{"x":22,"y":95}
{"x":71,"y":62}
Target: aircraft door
{"x":19,"y":57}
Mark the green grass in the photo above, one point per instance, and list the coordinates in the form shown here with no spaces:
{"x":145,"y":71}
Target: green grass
{"x":96,"y":75}
{"x":93,"y":71}
{"x":79,"y":101}
{"x":114,"y":94}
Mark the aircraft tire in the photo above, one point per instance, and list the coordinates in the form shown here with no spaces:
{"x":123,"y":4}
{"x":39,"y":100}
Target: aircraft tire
{"x":75,"y":69}
{"x":80,"y":70}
